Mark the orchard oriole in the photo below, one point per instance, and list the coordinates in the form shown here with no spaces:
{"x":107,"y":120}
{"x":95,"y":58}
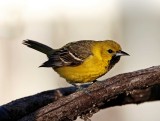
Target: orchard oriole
{"x":81,"y":61}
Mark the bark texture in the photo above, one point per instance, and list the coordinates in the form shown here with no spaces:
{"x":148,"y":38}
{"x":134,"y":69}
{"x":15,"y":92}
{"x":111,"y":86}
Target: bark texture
{"x":65,"y":104}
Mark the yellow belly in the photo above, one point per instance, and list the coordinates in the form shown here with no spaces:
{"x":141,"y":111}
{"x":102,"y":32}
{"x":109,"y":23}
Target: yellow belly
{"x":88,"y":71}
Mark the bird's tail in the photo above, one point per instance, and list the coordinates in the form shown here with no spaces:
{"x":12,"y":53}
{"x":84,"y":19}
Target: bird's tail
{"x":38,"y":46}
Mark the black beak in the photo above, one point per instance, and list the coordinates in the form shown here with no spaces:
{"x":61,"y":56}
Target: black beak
{"x":121,"y":53}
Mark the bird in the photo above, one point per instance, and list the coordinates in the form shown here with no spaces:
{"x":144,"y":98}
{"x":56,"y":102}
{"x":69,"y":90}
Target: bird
{"x":81,"y":61}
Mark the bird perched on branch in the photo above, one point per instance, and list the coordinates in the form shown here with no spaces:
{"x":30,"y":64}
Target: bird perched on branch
{"x":81,"y":61}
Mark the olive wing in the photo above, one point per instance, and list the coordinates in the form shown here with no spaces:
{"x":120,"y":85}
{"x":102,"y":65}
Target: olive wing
{"x":72,"y":54}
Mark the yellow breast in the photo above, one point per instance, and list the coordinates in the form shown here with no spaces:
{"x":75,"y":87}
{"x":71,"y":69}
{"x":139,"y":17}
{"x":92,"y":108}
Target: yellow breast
{"x":90,"y":70}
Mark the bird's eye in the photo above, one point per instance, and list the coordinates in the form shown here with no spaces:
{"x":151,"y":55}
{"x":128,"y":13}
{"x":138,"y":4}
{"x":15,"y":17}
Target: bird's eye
{"x":110,"y":51}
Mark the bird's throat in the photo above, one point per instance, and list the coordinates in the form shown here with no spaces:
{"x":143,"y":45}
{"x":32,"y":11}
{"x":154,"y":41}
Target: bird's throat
{"x":113,"y":61}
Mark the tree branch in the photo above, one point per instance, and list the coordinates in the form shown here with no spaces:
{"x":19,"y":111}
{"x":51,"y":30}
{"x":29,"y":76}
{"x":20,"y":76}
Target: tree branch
{"x":65,"y":104}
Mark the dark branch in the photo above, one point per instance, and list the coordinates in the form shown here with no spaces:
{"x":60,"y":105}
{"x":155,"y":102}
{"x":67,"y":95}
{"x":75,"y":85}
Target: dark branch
{"x":65,"y":104}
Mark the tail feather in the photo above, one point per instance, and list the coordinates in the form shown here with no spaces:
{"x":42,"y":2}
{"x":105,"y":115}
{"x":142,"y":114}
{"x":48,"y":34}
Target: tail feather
{"x":38,"y":46}
{"x":47,"y":64}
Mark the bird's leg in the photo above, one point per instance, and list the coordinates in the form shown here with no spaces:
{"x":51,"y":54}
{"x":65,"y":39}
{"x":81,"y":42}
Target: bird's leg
{"x":80,"y":88}
{"x":95,"y":81}
{"x":98,"y":83}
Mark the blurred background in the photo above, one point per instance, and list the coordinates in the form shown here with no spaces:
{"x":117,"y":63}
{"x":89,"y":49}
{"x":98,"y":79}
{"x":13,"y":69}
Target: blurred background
{"x":133,"y":24}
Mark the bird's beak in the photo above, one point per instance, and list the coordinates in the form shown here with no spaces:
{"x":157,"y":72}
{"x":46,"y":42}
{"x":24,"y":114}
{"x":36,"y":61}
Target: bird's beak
{"x":121,"y":53}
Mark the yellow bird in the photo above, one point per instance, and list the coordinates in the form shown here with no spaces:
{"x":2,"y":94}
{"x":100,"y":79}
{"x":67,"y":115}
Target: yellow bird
{"x":81,"y":61}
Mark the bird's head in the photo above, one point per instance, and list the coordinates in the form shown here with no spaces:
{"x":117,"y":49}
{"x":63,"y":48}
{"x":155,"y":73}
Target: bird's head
{"x":112,"y":48}
{"x":111,"y":51}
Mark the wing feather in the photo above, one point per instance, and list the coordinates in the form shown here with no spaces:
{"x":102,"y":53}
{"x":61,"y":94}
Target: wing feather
{"x":72,"y":54}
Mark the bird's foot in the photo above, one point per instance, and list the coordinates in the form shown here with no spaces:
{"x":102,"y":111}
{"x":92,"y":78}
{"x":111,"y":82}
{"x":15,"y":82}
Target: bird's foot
{"x":95,"y":81}
{"x":80,"y":88}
